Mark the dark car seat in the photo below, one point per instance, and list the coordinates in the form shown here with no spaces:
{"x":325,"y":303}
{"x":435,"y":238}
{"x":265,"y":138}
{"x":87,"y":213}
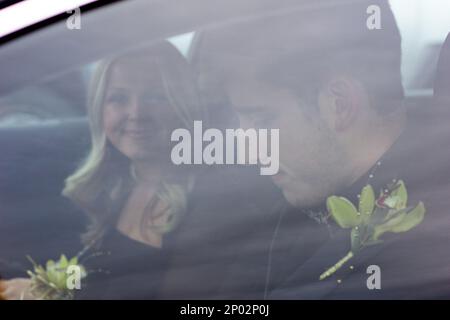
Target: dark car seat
{"x":442,"y":80}
{"x":35,"y":219}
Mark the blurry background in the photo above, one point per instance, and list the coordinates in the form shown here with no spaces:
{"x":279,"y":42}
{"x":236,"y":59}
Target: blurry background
{"x":424,"y":25}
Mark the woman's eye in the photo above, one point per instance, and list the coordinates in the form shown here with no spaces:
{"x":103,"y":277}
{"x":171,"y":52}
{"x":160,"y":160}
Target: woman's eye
{"x":118,"y":99}
{"x":155,"y":100}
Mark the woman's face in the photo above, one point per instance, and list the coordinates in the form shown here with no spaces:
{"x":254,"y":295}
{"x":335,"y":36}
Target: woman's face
{"x":137,"y":115}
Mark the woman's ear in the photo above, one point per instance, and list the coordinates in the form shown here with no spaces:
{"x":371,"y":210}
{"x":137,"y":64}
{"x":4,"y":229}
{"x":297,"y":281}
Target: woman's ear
{"x":342,"y":103}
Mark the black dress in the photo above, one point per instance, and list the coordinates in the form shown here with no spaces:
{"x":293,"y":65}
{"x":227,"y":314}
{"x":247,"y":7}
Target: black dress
{"x":122,"y":268}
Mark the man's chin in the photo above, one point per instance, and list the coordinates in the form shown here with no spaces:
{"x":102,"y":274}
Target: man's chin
{"x":281,"y":181}
{"x":300,"y":198}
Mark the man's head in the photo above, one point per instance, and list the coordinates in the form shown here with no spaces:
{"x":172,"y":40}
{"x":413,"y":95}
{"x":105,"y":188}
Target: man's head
{"x":320,"y":76}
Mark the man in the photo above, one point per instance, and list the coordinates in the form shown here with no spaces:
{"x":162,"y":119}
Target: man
{"x":332,"y":85}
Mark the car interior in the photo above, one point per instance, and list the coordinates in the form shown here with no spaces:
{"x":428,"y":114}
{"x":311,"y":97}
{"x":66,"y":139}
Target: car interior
{"x":41,"y":150}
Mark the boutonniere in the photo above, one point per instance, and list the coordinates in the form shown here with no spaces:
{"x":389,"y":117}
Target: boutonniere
{"x":374,"y":217}
{"x":50,"y":282}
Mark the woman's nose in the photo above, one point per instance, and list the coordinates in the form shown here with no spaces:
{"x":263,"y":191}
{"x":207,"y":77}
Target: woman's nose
{"x":138,"y":108}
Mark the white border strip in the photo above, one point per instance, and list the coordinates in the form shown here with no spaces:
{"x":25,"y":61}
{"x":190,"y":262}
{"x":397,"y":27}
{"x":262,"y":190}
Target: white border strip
{"x":27,"y":13}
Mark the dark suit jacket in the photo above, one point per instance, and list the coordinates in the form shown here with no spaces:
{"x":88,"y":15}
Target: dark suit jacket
{"x":413,"y":265}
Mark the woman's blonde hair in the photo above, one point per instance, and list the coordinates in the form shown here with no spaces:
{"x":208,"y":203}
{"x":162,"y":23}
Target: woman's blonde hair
{"x":101,"y":185}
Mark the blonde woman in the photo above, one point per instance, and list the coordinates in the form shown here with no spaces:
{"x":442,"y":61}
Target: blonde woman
{"x":128,"y":187}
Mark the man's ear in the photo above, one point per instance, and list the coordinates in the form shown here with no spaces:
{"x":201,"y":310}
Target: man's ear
{"x":343,"y":102}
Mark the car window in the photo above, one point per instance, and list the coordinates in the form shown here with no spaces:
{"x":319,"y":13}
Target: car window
{"x":423,"y":27}
{"x":227,"y":150}
{"x":63,"y":97}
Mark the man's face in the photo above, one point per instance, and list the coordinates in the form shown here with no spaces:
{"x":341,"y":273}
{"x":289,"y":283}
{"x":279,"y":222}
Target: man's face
{"x":310,"y":156}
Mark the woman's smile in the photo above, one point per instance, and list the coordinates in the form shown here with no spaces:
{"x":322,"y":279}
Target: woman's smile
{"x":138,"y":132}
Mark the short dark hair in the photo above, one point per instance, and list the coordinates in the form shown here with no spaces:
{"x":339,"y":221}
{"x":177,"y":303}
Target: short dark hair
{"x":301,"y":48}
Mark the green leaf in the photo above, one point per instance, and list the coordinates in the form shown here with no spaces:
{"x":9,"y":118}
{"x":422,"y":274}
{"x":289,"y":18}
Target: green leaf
{"x":343,"y":212}
{"x":63,"y":262}
{"x":355,"y":236}
{"x":39,"y":270}
{"x":385,"y":227}
{"x":366,"y":201}
{"x":378,"y":216}
{"x":60,"y":280}
{"x":73,"y":261}
{"x":392,"y":213}
{"x":401,"y":221}
{"x":400,"y":195}
{"x":52,"y":276}
{"x":50,"y":264}
{"x":412,"y":219}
